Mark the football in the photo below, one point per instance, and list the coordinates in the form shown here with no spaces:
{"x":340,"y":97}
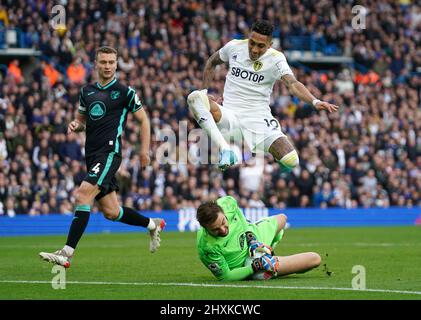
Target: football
{"x":261,"y":275}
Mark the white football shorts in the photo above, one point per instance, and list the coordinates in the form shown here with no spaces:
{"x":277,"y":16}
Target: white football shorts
{"x":258,"y":130}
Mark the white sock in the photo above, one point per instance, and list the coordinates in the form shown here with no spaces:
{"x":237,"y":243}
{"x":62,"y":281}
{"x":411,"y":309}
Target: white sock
{"x":68,"y":250}
{"x":206,"y":122}
{"x":151,"y":225}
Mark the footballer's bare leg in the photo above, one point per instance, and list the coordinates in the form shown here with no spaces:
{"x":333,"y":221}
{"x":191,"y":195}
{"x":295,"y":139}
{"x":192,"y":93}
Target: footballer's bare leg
{"x":109,"y":206}
{"x":284,"y":153}
{"x":112,"y":210}
{"x":282,"y":220}
{"x":298,"y":263}
{"x":85,"y":196}
{"x":207,"y":113}
{"x":214,"y":110}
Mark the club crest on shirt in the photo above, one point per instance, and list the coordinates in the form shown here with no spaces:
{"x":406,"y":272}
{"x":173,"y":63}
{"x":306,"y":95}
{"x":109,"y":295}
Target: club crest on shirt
{"x":115,"y":95}
{"x":257,"y":65}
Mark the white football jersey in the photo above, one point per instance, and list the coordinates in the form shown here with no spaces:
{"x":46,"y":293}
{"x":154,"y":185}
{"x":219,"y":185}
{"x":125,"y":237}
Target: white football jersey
{"x":249,"y":83}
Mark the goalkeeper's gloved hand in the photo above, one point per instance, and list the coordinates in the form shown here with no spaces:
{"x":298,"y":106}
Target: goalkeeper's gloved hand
{"x":265,"y":263}
{"x":257,"y":246}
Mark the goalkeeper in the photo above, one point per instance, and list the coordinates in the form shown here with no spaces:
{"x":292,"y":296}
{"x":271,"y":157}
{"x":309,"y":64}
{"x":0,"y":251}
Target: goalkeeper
{"x":226,"y":239}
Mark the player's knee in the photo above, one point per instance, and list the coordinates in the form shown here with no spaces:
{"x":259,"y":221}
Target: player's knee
{"x":110,"y":213}
{"x":282,"y":220}
{"x":81,"y":197}
{"x":314,"y":259}
{"x":290,"y":160}
{"x":86,"y":193}
{"x":196,"y":96}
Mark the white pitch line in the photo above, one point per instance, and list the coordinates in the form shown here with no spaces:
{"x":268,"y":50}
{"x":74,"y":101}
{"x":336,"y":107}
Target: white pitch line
{"x":299,"y":244}
{"x":213,"y":286}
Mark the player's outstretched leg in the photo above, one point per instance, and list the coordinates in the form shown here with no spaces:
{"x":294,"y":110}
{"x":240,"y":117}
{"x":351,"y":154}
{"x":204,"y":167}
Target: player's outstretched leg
{"x":112,"y":211}
{"x":58,"y":257}
{"x":155,"y":234}
{"x":227,"y":158}
{"x":132,"y":217}
{"x":298,"y":263}
{"x":200,"y":107}
{"x":84,"y":197}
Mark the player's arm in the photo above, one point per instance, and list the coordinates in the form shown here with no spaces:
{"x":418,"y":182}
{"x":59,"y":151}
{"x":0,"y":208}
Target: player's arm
{"x":296,"y":88}
{"x":209,"y":72}
{"x":77,"y":125}
{"x":217,"y":264}
{"x":145,"y":135}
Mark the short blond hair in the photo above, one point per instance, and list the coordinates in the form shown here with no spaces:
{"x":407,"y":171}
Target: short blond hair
{"x":105,"y":49}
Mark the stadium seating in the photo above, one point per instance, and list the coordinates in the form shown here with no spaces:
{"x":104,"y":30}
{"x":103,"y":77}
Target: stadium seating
{"x":366,"y":155}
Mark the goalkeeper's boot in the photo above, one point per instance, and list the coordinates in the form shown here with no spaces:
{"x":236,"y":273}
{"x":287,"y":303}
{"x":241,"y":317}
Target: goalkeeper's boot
{"x":58,"y":257}
{"x":156,"y":234}
{"x":227,"y":158}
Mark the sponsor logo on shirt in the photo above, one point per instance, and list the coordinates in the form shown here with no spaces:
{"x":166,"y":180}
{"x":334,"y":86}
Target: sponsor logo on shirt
{"x":97,"y":110}
{"x":244,"y":74}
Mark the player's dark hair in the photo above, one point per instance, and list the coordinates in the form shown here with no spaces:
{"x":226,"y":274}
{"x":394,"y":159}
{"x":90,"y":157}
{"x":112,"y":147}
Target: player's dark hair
{"x":208,"y":212}
{"x":105,"y":49}
{"x":262,"y":27}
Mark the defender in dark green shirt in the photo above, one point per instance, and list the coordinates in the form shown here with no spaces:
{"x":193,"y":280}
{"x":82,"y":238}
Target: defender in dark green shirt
{"x":103,"y":110}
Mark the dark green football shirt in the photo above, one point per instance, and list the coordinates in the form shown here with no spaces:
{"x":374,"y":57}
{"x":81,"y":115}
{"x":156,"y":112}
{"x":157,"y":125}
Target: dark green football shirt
{"x":106,"y":108}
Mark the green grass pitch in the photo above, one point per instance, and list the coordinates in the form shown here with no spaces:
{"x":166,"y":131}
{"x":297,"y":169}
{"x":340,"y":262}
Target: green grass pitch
{"x":119,"y":266}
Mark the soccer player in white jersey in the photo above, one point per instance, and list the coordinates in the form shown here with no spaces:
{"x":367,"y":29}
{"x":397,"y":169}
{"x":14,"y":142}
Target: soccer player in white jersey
{"x":254,"y":67}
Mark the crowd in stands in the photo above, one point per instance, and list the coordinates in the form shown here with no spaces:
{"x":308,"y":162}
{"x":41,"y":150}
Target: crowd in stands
{"x":366,"y":155}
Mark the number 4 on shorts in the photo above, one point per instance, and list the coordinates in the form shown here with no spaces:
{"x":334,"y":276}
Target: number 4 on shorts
{"x":95,"y":169}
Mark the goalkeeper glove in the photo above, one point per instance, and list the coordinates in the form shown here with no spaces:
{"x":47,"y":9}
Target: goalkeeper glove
{"x":257,"y":246}
{"x":265,"y":263}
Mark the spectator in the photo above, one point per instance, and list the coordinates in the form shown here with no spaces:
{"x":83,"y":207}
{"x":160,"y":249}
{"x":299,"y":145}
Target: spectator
{"x":162,"y":56}
{"x":15,"y":71}
{"x":52,"y":74}
{"x":251,"y":175}
{"x":4,"y":18}
{"x":255,"y":201}
{"x":76,"y":72}
{"x":125,"y":62}
{"x":3,"y":148}
{"x":323,"y":197}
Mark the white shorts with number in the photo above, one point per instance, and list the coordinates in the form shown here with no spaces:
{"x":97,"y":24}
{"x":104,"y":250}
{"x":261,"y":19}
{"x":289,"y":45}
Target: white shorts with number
{"x":259,"y":131}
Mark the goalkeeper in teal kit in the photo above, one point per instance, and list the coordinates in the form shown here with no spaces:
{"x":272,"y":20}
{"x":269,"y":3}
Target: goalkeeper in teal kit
{"x":234,"y":249}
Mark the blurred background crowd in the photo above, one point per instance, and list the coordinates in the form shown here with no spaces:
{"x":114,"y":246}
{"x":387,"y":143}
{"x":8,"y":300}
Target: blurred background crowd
{"x":366,"y":155}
